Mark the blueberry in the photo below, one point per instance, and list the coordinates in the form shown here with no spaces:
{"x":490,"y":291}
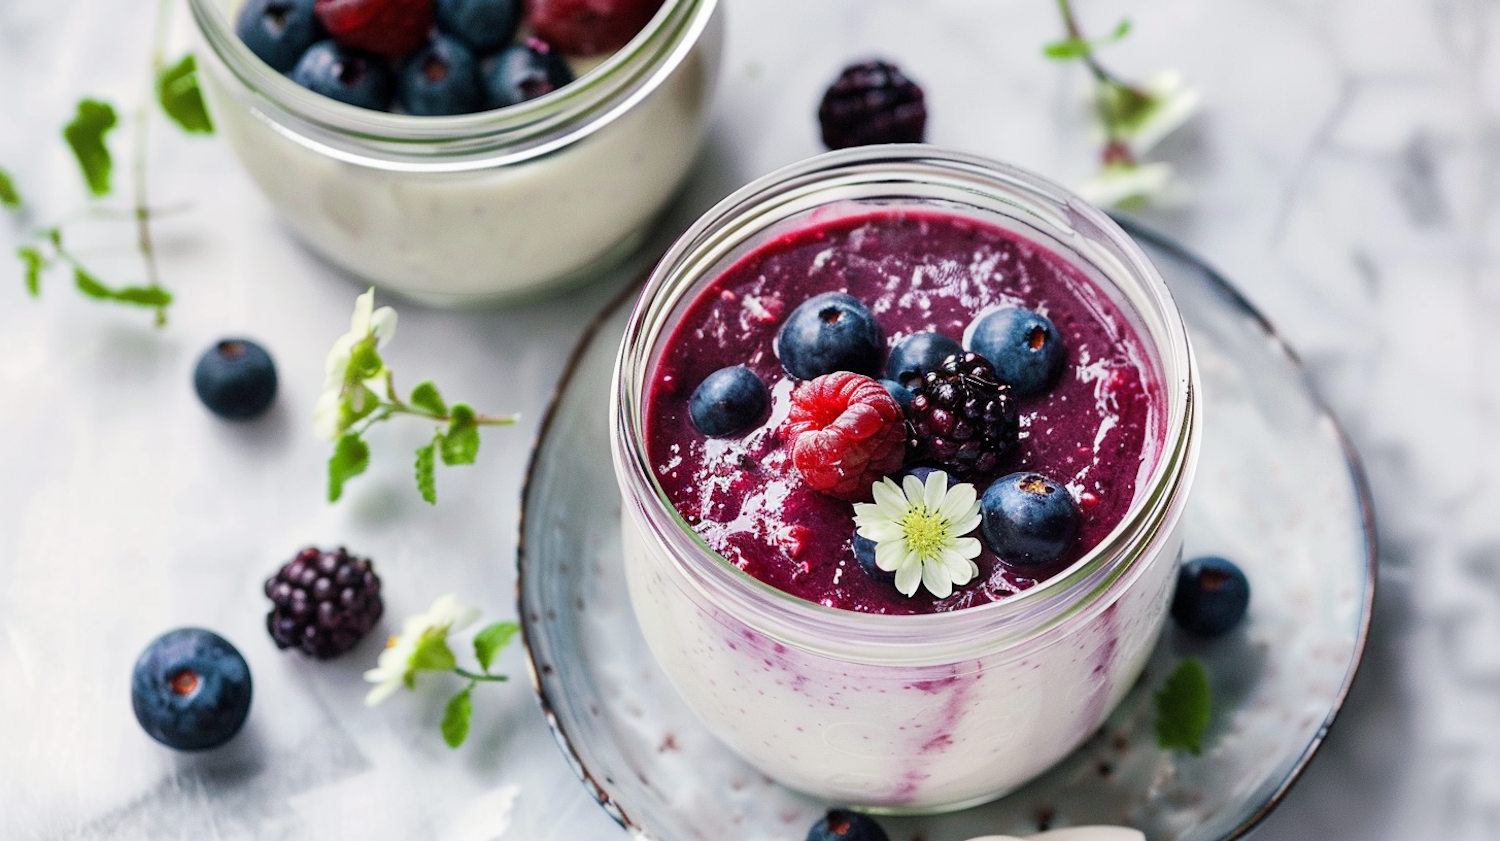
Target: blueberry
{"x":235,"y":379}
{"x":1028,"y":518}
{"x":278,"y":31}
{"x":190,"y":689}
{"x":843,"y":825}
{"x":1212,"y":596}
{"x":521,"y":72}
{"x":728,"y":402}
{"x":1024,"y":346}
{"x":440,"y":79}
{"x":350,"y":76}
{"x":827,"y":333}
{"x":483,"y":25}
{"x":917,"y":354}
{"x":901,"y":393}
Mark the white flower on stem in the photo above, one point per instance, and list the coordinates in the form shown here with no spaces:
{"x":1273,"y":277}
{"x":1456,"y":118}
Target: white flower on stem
{"x":1167,"y":107}
{"x":1123,"y":183}
{"x":347,"y":388}
{"x":422,"y":644}
{"x":918,"y":531}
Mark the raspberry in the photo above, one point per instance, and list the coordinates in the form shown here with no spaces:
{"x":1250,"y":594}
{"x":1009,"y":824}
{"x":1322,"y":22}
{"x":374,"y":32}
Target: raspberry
{"x":846,"y":432}
{"x":390,"y":28}
{"x":323,"y":602}
{"x":962,"y":418}
{"x":590,"y":27}
{"x":872,"y":103}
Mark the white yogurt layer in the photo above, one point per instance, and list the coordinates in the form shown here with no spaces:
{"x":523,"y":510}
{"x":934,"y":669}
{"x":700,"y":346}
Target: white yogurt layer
{"x":490,"y":234}
{"x":902,"y":738}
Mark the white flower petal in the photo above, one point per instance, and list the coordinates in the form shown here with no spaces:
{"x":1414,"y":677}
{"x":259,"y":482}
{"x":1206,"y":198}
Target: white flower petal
{"x":934,"y":491}
{"x":881,"y":531}
{"x":967,"y":524}
{"x":960,"y":498}
{"x":326,"y":416}
{"x":960,"y":570}
{"x":908,"y":578}
{"x":889,"y":499}
{"x":383,"y":325}
{"x":1117,"y":184}
{"x":1174,"y":106}
{"x":889,"y":555}
{"x":935,"y":579}
{"x":384,"y":690}
{"x":965,"y":547}
{"x":913,"y":488}
{"x":364,"y":307}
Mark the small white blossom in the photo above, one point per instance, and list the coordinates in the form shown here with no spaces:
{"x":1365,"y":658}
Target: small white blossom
{"x":397,"y":665}
{"x":1170,"y":106}
{"x":917,"y":528}
{"x":1120,"y":184}
{"x":343,"y":400}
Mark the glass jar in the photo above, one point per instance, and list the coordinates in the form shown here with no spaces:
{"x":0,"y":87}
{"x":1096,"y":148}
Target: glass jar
{"x":499,"y":205}
{"x":917,"y":713}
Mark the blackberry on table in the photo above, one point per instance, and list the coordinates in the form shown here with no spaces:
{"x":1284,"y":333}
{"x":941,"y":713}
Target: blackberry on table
{"x":872,"y":102}
{"x":962,"y":418}
{"x":323,"y":603}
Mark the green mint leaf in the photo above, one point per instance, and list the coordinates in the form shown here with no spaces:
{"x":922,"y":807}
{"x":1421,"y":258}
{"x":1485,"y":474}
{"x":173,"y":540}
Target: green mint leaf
{"x":141,"y":296}
{"x":350,"y":458}
{"x":10,"y":197}
{"x":456,"y":717}
{"x":1182,"y":708}
{"x":426,"y":481}
{"x":492,"y":640}
{"x":177,"y":91}
{"x":86,"y":137}
{"x":54,"y":236}
{"x":1066,"y":49}
{"x":34,"y":263}
{"x":426,"y":397}
{"x":1121,"y":30}
{"x":90,"y":286}
{"x":461,"y":441}
{"x":433,"y":653}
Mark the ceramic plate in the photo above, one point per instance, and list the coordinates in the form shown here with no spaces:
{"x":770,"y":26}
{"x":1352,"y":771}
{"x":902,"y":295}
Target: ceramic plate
{"x":1278,"y":490}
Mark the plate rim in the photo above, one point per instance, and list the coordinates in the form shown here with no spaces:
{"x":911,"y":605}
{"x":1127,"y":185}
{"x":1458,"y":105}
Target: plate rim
{"x":1136,"y":230}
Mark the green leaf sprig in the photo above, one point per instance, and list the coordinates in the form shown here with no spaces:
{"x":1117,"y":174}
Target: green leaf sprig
{"x":1133,"y":116}
{"x":1183,"y":705}
{"x":422,"y":646}
{"x":176,"y":91}
{"x":360,"y":391}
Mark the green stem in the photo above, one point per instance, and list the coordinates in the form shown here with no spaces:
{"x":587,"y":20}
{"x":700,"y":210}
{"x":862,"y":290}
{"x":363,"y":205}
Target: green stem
{"x":142,"y":121}
{"x":477,"y":676}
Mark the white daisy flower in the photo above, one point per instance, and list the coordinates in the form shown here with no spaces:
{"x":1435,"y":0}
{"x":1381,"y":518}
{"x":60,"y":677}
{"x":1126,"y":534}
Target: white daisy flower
{"x":1125,"y":184}
{"x":918,"y":531}
{"x":1168,"y":106}
{"x":347,"y":394}
{"x":400,"y":661}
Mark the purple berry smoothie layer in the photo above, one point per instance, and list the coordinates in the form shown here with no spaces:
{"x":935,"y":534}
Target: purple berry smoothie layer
{"x":917,"y":270}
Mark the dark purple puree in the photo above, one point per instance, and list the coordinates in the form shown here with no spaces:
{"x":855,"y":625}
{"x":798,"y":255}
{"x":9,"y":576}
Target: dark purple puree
{"x":916,"y":270}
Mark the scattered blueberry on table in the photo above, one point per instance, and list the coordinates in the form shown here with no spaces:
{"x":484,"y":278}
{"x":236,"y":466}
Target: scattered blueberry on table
{"x":844,"y":825}
{"x":235,"y":379}
{"x":191,"y":689}
{"x":1212,"y":596}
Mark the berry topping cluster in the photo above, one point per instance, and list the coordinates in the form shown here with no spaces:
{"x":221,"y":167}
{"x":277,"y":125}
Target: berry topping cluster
{"x":435,"y":57}
{"x":943,"y":406}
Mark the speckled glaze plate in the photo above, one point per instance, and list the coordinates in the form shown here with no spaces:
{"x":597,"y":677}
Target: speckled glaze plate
{"x":1279,"y":490}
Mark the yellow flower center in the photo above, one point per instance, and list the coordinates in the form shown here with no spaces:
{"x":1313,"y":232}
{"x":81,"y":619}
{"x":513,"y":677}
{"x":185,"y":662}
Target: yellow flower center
{"x":927,"y":532}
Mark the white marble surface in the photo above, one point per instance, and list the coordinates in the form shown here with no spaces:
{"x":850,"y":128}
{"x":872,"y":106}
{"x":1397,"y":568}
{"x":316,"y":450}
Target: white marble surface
{"x":1343,"y":173}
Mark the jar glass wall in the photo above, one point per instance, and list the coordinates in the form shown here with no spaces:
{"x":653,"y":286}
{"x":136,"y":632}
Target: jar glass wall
{"x":499,"y":205}
{"x":907,"y":713}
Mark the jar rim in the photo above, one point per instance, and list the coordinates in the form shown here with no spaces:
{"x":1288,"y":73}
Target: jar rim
{"x":1016,"y":620}
{"x":463,"y":142}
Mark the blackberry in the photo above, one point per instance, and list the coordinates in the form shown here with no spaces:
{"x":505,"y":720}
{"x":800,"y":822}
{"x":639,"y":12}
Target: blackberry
{"x":962,"y":418}
{"x":323,"y":602}
{"x":872,"y":102}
